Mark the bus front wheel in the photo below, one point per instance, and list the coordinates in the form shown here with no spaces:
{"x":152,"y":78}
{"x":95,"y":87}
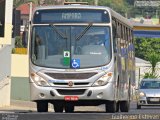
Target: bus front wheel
{"x":69,"y":108}
{"x":42,"y":106}
{"x":111,"y":106}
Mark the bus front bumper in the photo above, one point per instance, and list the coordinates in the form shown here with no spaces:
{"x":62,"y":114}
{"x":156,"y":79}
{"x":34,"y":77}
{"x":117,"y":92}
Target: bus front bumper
{"x":84,"y":93}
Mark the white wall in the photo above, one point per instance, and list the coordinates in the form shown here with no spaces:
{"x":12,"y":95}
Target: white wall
{"x":5,"y":56}
{"x":20,"y":65}
{"x":5,"y":75}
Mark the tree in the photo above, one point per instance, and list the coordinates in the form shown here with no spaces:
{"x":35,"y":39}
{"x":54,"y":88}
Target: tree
{"x":143,"y":46}
{"x":38,"y":2}
{"x":131,"y":2}
{"x":153,"y":58}
{"x":17,"y":3}
{"x":124,"y":7}
{"x":119,"y":6}
{"x":148,"y":49}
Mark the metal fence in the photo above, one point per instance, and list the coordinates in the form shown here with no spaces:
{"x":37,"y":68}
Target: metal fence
{"x":141,"y":70}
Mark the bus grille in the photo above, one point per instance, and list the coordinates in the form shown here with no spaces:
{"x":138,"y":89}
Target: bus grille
{"x":71,"y":75}
{"x":75,"y":84}
{"x":71,"y":92}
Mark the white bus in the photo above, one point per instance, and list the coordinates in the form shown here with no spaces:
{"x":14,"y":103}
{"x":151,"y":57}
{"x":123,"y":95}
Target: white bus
{"x":80,"y":55}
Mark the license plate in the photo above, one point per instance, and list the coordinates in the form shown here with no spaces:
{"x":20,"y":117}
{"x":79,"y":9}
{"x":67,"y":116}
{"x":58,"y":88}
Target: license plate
{"x":71,"y":98}
{"x":154,"y":99}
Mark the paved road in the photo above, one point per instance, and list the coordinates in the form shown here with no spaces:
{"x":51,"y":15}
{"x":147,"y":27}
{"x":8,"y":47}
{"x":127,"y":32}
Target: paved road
{"x":84,"y":113}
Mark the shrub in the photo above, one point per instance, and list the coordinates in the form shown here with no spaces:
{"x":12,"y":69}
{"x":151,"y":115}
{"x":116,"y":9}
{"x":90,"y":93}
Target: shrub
{"x":18,"y":42}
{"x":150,"y":75}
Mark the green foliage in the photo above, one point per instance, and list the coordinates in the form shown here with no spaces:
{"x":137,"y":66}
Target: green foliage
{"x":13,"y":51}
{"x":153,"y":58}
{"x":150,"y":75}
{"x":147,"y":46}
{"x":18,"y":42}
{"x":124,"y":7}
{"x":90,"y":2}
{"x":131,"y":2}
{"x":121,"y":6}
{"x":118,"y":5}
{"x":17,"y":3}
{"x":148,"y":49}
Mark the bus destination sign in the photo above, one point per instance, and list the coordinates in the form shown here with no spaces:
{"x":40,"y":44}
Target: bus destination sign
{"x":70,"y":16}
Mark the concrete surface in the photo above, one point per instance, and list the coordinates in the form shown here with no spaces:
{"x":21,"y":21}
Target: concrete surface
{"x":18,"y":106}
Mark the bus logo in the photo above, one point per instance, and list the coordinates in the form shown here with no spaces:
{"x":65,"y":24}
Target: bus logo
{"x":70,"y":83}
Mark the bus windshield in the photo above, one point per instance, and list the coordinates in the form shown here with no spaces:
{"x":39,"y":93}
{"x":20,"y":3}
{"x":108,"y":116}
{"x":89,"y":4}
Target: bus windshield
{"x":70,"y":46}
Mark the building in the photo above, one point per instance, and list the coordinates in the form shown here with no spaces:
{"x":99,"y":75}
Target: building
{"x":147,"y":9}
{"x":5,"y":50}
{"x":144,"y":30}
{"x":24,"y":15}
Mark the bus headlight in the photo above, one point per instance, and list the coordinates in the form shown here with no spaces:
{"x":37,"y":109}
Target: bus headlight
{"x":39,"y":80}
{"x":103,"y":80}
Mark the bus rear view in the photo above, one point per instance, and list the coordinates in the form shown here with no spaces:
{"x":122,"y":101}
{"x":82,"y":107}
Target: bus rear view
{"x":71,"y":58}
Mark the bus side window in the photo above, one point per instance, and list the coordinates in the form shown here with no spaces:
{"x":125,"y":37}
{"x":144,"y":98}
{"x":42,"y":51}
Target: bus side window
{"x":114,"y":30}
{"x":118,"y":34}
{"x":115,"y":36}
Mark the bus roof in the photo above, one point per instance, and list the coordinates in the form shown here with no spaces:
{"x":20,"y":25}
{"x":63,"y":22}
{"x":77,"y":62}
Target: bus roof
{"x":111,"y":12}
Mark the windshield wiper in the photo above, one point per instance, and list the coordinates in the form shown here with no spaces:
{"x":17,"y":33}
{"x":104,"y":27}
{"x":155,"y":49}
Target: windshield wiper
{"x":59,"y":32}
{"x":84,"y":31}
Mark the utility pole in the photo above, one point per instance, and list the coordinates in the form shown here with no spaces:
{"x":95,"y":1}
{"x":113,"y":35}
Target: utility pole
{"x":29,"y":24}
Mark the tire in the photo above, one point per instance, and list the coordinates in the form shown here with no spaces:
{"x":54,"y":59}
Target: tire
{"x":58,"y":107}
{"x":124,"y":106}
{"x":69,"y":108}
{"x":138,"y":106}
{"x":111,"y":106}
{"x":117,"y":107}
{"x":42,"y":106}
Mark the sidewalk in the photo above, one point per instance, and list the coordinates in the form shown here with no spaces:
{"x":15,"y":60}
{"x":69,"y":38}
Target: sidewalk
{"x":19,"y":106}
